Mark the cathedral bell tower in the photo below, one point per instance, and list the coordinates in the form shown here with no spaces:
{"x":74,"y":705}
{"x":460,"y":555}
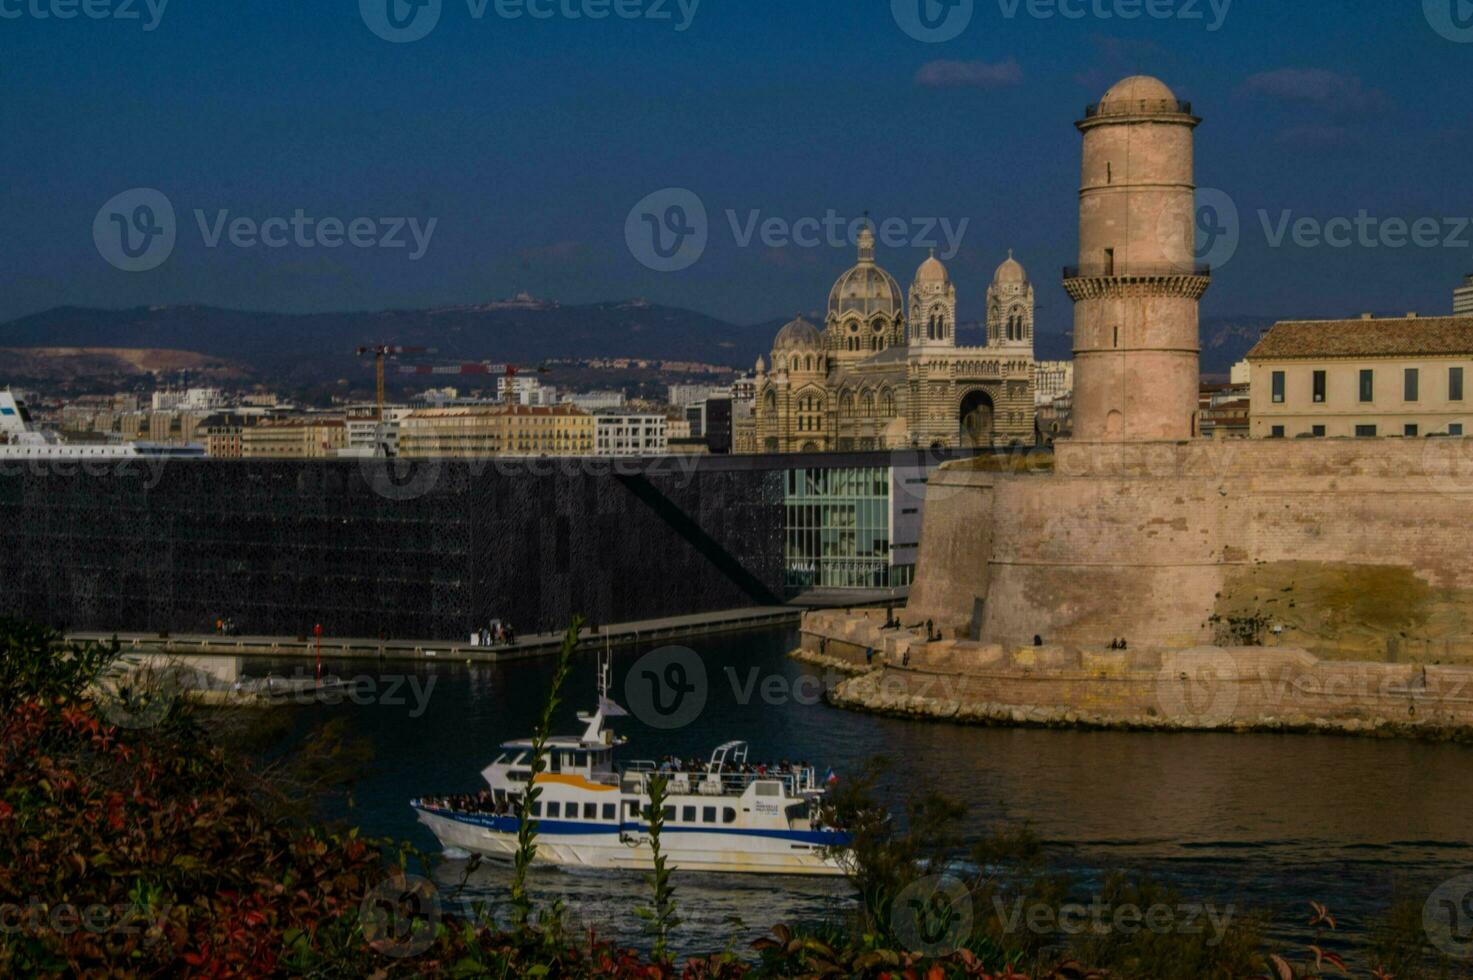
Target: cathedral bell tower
{"x":932,"y":307}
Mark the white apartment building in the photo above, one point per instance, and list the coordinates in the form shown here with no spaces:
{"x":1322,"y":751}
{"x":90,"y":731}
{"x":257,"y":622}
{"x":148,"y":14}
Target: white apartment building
{"x":595,"y":401}
{"x":623,"y":434}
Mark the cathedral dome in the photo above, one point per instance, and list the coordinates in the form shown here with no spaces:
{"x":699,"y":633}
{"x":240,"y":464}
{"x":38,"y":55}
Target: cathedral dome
{"x":866,"y":289}
{"x":932,"y":270}
{"x":1011,"y":270}
{"x":1128,"y":93}
{"x":798,"y":335}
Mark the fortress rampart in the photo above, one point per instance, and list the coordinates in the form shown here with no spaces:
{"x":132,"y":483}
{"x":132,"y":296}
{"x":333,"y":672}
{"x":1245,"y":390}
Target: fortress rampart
{"x":1346,"y":548}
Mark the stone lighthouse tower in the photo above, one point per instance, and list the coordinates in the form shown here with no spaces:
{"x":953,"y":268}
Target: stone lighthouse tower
{"x":1136,"y":287}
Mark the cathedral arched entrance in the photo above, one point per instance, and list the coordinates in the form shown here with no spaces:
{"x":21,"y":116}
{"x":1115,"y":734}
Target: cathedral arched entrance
{"x":977,"y":417}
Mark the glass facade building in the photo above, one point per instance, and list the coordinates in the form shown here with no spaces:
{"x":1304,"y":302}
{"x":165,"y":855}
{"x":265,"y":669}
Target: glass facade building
{"x":838,"y":526}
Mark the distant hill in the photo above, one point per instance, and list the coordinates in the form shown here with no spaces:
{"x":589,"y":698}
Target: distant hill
{"x":311,"y":348}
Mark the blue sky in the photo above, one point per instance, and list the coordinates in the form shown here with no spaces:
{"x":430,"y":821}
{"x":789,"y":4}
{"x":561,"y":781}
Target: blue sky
{"x":529,"y":140}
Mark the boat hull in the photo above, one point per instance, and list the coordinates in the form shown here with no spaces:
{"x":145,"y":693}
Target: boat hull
{"x":626,"y":846}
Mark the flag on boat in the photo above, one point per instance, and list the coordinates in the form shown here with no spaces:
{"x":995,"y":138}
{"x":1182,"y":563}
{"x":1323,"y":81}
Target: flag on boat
{"x":831,"y":777}
{"x":610,"y":709}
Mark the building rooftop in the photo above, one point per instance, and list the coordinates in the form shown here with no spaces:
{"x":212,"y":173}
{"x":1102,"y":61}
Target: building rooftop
{"x":1366,"y":337}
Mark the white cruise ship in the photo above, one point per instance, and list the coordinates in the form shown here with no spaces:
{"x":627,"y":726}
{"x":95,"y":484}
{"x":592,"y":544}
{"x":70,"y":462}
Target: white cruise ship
{"x":725,"y":814}
{"x":19,"y":441}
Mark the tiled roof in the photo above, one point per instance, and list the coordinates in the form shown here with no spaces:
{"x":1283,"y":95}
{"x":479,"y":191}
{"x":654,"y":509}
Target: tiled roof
{"x":1392,"y":336}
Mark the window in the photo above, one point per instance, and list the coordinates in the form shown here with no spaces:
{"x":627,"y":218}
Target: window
{"x":537,"y":809}
{"x":688,"y":814}
{"x":728,"y":815}
{"x":590,"y":811}
{"x":1365,"y":431}
{"x":1317,"y":430}
{"x":1455,"y":429}
{"x":1278,"y":383}
{"x":670,"y":813}
{"x":610,"y":811}
{"x":1409,"y":384}
{"x":1319,"y":387}
{"x":1409,"y":430}
{"x":554,"y":809}
{"x":1455,"y":384}
{"x":708,"y":814}
{"x":1277,"y":432}
{"x":1368,"y":386}
{"x":633,"y":809}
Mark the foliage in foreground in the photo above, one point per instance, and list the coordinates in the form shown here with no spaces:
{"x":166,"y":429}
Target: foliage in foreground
{"x":154,"y":851}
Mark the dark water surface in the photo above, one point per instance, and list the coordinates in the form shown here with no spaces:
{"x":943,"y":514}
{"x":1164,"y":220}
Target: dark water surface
{"x":1264,"y":822}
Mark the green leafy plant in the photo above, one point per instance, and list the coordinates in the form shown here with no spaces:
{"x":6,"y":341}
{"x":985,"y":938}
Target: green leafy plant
{"x":661,"y":916}
{"x":521,"y":900}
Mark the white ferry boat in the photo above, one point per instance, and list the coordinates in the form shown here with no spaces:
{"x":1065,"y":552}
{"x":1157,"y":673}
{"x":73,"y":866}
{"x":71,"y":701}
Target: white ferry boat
{"x":724,"y":815}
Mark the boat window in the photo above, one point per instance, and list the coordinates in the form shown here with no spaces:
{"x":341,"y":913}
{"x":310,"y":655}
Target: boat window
{"x":728,"y":815}
{"x":708,"y":814}
{"x":633,"y":809}
{"x":554,"y":763}
{"x":688,"y":814}
{"x":537,"y":809}
{"x":554,"y":809}
{"x":670,"y":813}
{"x":609,"y":811}
{"x":769,"y":787}
{"x":590,"y":811}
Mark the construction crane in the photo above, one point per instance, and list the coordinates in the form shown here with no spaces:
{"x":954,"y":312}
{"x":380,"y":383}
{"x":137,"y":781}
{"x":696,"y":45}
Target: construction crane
{"x":380,"y":352}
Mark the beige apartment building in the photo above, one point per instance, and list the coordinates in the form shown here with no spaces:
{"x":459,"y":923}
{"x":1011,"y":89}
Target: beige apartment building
{"x":497,"y":430}
{"x":300,"y":437}
{"x":1404,"y":376}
